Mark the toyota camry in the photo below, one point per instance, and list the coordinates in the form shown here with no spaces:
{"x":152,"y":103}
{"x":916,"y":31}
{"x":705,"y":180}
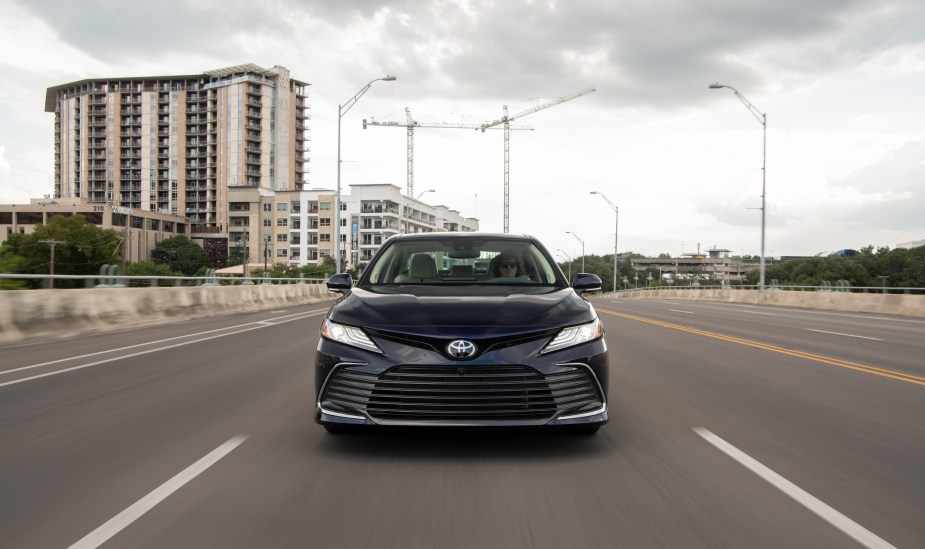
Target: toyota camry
{"x":462,"y":329}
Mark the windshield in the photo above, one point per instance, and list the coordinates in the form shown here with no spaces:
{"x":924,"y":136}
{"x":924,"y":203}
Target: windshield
{"x":461,"y":260}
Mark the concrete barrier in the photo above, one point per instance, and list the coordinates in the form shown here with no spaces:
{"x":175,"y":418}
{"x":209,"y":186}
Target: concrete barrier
{"x":58,"y":313}
{"x":888,"y":304}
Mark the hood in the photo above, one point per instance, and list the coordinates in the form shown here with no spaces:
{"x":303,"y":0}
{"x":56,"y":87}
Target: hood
{"x":464,"y":313}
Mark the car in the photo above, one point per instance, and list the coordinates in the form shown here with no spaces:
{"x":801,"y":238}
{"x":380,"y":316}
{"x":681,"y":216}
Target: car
{"x":432,"y":334}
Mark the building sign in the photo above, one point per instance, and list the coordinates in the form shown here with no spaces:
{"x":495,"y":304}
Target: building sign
{"x":122,"y":210}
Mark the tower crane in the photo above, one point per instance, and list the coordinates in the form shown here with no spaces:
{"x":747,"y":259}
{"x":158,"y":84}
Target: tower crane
{"x":410,"y":124}
{"x":506,"y":121}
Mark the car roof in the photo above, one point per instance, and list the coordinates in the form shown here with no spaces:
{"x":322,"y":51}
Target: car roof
{"x":442,"y":235}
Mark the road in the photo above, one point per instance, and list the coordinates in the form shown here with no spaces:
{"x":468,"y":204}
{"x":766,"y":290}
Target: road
{"x":731,"y":426}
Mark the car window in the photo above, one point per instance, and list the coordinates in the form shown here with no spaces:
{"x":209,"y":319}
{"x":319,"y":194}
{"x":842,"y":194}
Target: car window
{"x":461,"y":261}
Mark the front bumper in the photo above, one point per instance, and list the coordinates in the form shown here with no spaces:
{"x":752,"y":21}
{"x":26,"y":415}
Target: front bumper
{"x":513,"y":386}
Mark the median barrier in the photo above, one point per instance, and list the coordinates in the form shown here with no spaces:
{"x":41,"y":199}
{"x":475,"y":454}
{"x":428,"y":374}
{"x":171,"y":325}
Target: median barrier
{"x":888,"y":304}
{"x":61,"y":313}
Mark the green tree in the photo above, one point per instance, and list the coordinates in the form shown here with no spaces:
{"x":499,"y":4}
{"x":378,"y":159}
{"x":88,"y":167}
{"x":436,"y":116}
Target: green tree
{"x":149,"y":268}
{"x":81,"y":249}
{"x":181,"y":254}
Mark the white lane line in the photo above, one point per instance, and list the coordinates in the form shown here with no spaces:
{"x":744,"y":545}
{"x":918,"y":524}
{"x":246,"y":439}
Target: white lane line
{"x":121,"y":521}
{"x":670,"y":303}
{"x":759,"y":313}
{"x":680,"y":311}
{"x":615,"y":301}
{"x":846,"y":335}
{"x":113,"y":359}
{"x":830,"y":515}
{"x":299,"y":315}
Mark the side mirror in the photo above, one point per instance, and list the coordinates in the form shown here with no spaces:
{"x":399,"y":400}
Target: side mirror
{"x":340,"y":283}
{"x":586,"y":282}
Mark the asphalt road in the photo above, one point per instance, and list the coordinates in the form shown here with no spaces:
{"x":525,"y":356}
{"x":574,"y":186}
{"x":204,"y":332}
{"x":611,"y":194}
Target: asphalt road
{"x":731,"y":426}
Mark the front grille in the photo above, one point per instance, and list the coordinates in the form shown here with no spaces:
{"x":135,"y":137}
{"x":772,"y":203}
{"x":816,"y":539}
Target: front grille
{"x":498,"y":393}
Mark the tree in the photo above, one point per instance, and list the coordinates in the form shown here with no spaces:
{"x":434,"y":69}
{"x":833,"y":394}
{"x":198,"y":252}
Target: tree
{"x":81,"y":249}
{"x":181,"y":254}
{"x":149,"y":268}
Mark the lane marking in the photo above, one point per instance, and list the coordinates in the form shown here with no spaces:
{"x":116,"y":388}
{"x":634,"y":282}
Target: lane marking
{"x":759,"y":313}
{"x":680,"y":311}
{"x":121,"y":521}
{"x":299,"y":315}
{"x":120,"y":357}
{"x":854,"y":530}
{"x":670,"y":303}
{"x":846,"y":335}
{"x":899,"y":376}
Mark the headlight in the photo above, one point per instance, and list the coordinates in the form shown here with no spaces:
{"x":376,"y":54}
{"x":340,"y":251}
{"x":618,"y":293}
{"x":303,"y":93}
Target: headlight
{"x":575,"y":335}
{"x":348,"y":335}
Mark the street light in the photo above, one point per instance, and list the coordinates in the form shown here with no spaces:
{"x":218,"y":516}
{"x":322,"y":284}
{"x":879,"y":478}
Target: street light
{"x":341,"y":111}
{"x":569,"y":262}
{"x":763,"y":119}
{"x":615,"y":231}
{"x":408,"y":205}
{"x":582,"y":249}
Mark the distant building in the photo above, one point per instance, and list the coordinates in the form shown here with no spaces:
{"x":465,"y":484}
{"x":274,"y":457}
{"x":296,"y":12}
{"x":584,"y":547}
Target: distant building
{"x":297,"y":227}
{"x":914,"y":244}
{"x":716,"y":264}
{"x":141,"y":230}
{"x":181,"y":145}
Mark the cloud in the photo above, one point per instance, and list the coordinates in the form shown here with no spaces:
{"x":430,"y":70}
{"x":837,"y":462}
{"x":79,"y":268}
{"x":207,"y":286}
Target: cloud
{"x":638,"y":53}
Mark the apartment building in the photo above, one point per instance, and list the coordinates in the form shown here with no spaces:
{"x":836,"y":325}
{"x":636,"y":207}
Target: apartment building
{"x":188,"y":145}
{"x":297,"y":227}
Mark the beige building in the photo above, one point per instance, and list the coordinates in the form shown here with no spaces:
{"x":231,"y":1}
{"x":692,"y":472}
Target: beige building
{"x":185,"y":145}
{"x":297,"y":227}
{"x":141,"y":230}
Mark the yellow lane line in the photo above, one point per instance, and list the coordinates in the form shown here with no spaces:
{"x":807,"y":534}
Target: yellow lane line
{"x":782,"y":350}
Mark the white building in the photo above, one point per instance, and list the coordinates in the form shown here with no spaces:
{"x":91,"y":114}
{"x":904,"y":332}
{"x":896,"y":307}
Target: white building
{"x":297,"y":227}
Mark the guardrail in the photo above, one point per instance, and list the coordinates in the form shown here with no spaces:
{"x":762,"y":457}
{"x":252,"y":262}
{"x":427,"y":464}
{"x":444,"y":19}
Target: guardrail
{"x":838,"y":286}
{"x":111,"y":279}
{"x":909,"y":302}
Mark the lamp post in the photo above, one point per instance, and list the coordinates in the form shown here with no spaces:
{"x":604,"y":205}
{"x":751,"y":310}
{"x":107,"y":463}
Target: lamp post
{"x":341,"y":111}
{"x":616,"y":230}
{"x":408,"y":205}
{"x":582,"y":249}
{"x":763,"y":119}
{"x":569,"y":262}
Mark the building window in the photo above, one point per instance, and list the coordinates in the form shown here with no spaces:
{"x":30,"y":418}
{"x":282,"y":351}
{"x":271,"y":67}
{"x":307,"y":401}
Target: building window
{"x":324,"y":206}
{"x":282,"y":237}
{"x":281,"y":207}
{"x":282,"y":222}
{"x":267,"y":222}
{"x":324,"y":238}
{"x":282,"y":252}
{"x":324,"y":222}
{"x":268,"y":207}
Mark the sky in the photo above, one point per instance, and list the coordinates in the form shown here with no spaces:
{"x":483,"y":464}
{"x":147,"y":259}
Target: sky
{"x":841,"y":82}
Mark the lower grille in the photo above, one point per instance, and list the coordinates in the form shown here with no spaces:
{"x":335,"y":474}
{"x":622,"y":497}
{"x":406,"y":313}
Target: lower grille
{"x":499,"y":393}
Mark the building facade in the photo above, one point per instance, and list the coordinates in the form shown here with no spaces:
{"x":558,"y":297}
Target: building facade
{"x":182,"y":145}
{"x":141,"y":230}
{"x":297,"y":227}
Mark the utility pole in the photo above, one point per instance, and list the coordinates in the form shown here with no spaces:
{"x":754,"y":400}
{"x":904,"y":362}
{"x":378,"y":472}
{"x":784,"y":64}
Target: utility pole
{"x":52,"y":243}
{"x":246,"y":250}
{"x":266,"y":252}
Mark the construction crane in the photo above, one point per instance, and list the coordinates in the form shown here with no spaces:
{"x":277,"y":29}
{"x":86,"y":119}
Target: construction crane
{"x":410,"y":124}
{"x":506,"y":121}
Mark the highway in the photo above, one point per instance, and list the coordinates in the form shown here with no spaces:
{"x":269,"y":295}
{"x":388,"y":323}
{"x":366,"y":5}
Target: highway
{"x":731,"y":426}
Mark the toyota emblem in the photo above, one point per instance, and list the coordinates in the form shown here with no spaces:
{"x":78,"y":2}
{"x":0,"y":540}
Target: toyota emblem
{"x":461,"y":348}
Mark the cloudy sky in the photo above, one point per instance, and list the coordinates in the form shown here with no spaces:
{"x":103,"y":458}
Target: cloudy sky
{"x":842,"y":83}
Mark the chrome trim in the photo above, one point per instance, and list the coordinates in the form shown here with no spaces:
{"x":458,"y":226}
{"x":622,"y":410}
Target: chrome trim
{"x":601,"y":410}
{"x":338,"y":414}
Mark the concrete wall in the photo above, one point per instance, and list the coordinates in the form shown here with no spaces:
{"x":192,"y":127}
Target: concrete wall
{"x":890,"y":304}
{"x":58,"y":313}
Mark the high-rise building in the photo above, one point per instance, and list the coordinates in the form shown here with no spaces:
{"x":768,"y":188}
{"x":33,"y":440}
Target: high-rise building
{"x":182,"y":144}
